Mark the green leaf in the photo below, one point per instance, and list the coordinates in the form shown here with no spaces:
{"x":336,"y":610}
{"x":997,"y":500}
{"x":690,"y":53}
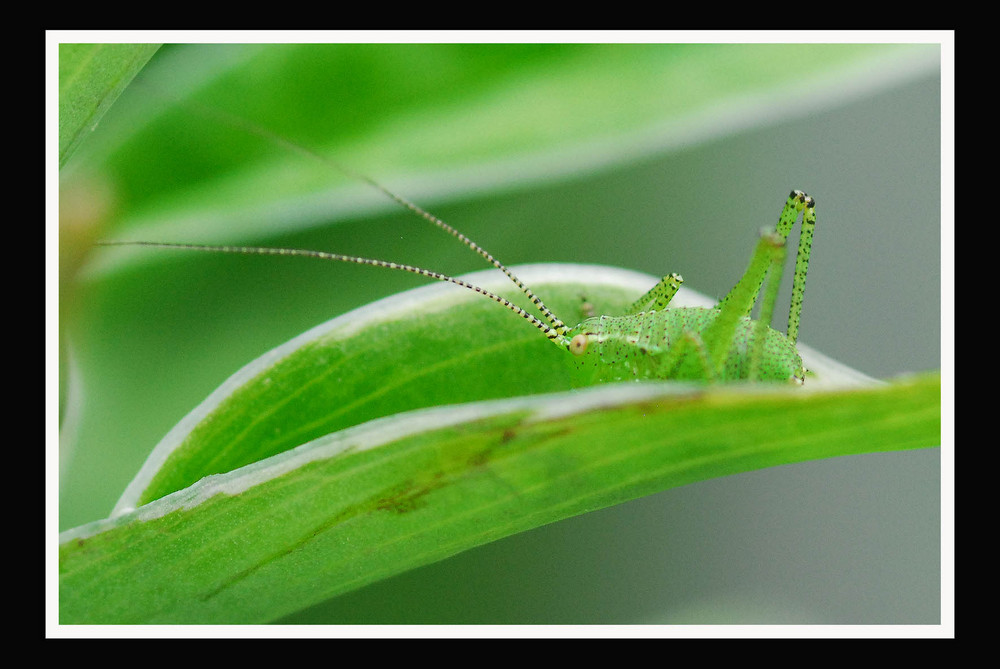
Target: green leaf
{"x":512,"y":114}
{"x":91,"y":77}
{"x":367,"y":503}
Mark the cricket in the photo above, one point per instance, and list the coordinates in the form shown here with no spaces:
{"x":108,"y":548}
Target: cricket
{"x":651,"y":340}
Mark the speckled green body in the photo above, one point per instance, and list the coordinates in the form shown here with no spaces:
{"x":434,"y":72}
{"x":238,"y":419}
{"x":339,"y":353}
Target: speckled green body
{"x":722,"y":343}
{"x":664,"y":345}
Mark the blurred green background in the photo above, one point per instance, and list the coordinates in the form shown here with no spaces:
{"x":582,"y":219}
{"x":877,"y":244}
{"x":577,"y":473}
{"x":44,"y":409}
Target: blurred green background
{"x":653,"y":157}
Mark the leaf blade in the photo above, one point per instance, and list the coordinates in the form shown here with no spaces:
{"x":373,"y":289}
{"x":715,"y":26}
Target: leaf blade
{"x":334,"y":523}
{"x":91,"y":77}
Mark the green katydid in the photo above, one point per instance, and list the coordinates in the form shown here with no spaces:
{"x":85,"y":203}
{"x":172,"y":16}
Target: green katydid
{"x":651,"y":340}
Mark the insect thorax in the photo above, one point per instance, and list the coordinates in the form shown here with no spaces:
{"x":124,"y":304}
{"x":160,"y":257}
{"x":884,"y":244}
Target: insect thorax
{"x":669,"y":344}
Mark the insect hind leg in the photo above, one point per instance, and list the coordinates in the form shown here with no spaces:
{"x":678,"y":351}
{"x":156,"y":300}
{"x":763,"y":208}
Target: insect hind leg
{"x":807,"y":205}
{"x":768,"y":298}
{"x":797,"y":202}
{"x":690,"y":344}
{"x":765,"y":265}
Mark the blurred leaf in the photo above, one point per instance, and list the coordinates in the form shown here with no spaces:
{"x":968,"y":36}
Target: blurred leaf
{"x":91,"y":77}
{"x":462,"y":117}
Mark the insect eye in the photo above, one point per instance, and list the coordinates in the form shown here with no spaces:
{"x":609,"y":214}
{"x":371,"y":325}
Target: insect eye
{"x":578,"y":344}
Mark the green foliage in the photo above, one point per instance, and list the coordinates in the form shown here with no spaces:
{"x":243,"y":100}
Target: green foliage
{"x":153,"y":333}
{"x":355,"y":507}
{"x":91,"y":77}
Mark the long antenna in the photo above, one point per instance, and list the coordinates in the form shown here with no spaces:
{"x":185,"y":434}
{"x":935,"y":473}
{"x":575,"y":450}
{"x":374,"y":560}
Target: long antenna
{"x":551,"y":333}
{"x":557,"y":324}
